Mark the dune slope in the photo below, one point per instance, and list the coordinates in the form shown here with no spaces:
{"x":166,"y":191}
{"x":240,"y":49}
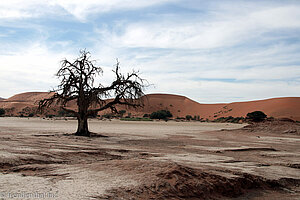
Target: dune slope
{"x":180,"y":106}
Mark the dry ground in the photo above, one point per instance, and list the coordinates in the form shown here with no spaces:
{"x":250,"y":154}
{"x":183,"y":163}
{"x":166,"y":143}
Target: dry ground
{"x":146,"y":160}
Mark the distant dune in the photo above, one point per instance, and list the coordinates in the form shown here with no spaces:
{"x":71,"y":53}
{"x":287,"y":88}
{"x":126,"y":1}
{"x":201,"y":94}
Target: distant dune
{"x":23,"y":103}
{"x":29,"y":97}
{"x":180,"y":106}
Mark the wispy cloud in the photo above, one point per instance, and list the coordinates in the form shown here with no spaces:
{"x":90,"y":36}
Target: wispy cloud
{"x":212,"y":32}
{"x":77,"y":8}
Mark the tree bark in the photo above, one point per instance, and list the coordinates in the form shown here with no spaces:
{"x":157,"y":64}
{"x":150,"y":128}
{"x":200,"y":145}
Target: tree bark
{"x":82,"y":129}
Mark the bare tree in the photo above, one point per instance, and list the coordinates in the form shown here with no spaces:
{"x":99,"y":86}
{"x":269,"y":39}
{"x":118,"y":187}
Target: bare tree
{"x":77,"y":84}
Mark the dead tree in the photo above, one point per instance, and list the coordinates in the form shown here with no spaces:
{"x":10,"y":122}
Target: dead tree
{"x":77,"y":84}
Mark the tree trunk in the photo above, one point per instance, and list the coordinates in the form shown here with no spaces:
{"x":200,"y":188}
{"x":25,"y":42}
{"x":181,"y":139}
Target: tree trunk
{"x":82,"y":129}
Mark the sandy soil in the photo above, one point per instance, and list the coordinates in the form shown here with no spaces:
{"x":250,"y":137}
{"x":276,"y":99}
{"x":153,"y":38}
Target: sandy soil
{"x":146,"y":160}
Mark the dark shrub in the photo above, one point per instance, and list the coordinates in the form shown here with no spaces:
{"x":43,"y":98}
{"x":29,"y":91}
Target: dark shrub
{"x":229,"y":119}
{"x":62,"y":113}
{"x":285,"y":119}
{"x":161,"y":114}
{"x":50,"y":116}
{"x":128,"y":115}
{"x":2,"y":112}
{"x":93,"y":115}
{"x":188,"y":117}
{"x":146,"y":115}
{"x":108,"y":116}
{"x":31,"y":115}
{"x":121,"y":113}
{"x":256,"y":116}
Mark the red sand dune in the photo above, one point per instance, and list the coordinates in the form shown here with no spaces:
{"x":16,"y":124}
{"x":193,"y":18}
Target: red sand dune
{"x":30,"y":97}
{"x":27,"y":102}
{"x":181,"y":106}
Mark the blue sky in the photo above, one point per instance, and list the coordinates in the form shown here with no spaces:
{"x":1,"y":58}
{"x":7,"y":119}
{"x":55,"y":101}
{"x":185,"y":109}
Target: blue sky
{"x":210,"y":51}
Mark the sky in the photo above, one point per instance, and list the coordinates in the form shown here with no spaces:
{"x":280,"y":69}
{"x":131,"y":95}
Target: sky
{"x":210,"y":51}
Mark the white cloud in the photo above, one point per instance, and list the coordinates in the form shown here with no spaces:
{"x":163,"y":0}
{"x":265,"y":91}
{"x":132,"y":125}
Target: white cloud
{"x":264,"y":63}
{"x":79,"y":9}
{"x":15,"y":9}
{"x":278,"y":17}
{"x":224,"y":92}
{"x":214,"y":32}
{"x":29,"y":68}
{"x":33,"y":68}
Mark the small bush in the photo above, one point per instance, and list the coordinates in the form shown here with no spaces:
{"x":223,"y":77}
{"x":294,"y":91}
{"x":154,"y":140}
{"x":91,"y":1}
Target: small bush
{"x":229,"y":119}
{"x":93,"y":115}
{"x":2,"y":112}
{"x":135,"y":119}
{"x":128,"y":115}
{"x":50,"y":116}
{"x":161,"y":114}
{"x":63,"y":113}
{"x":122,"y":112}
{"x":188,"y":117}
{"x":146,"y":115}
{"x":108,"y":116}
{"x":31,"y":115}
{"x":256,"y":116}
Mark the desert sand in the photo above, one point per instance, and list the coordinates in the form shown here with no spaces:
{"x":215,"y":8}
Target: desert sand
{"x":287,"y":107}
{"x":149,"y":160}
{"x":179,"y":106}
